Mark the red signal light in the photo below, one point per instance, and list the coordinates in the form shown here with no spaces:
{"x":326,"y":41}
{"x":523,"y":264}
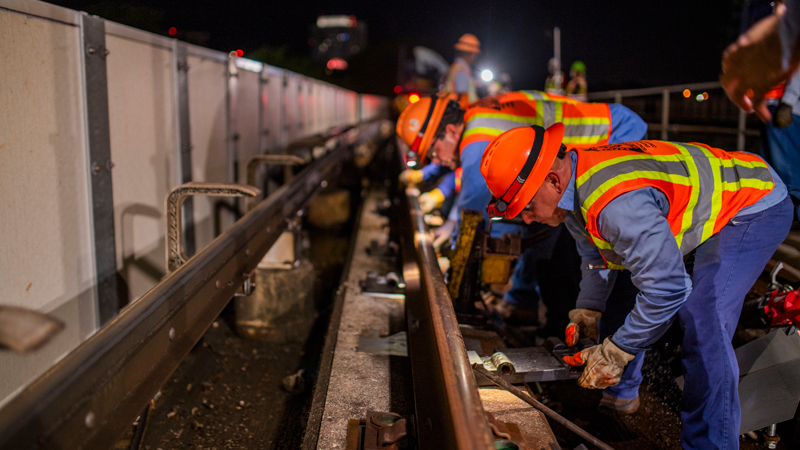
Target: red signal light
{"x":239,"y":53}
{"x":398,"y":89}
{"x":173,"y":31}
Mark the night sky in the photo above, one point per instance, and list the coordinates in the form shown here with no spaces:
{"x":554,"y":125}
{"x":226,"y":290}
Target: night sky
{"x":624,"y":44}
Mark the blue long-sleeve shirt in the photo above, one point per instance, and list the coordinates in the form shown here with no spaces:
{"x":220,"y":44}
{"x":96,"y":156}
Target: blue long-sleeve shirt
{"x":434,"y":171}
{"x":635,"y":223}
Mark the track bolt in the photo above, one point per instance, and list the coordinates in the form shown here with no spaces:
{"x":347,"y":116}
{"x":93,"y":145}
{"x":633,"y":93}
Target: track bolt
{"x":89,"y":421}
{"x":171,"y":334}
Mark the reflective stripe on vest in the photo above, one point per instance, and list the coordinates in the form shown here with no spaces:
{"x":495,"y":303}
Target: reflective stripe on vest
{"x":705,"y":186}
{"x":584,"y":123}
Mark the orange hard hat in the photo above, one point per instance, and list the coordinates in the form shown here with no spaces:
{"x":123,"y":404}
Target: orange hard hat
{"x":516,"y":163}
{"x":468,"y":43}
{"x":419,"y":121}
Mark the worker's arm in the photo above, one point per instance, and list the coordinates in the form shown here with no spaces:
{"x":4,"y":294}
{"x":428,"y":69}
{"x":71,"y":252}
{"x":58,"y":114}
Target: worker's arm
{"x":596,"y":284}
{"x":447,"y":186}
{"x":433,"y":171}
{"x":626,"y":125}
{"x":791,"y":93}
{"x":635,"y":224}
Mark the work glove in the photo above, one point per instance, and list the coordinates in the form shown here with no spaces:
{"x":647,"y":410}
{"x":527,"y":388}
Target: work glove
{"x":411,"y":177}
{"x":582,"y":322}
{"x":443,"y":234}
{"x":431,"y":200}
{"x":783,"y":115}
{"x":604,"y":365}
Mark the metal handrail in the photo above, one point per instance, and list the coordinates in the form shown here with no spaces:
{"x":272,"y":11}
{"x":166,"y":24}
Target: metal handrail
{"x":665,"y":127}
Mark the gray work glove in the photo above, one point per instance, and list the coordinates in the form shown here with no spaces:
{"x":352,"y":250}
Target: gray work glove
{"x":604,"y":365}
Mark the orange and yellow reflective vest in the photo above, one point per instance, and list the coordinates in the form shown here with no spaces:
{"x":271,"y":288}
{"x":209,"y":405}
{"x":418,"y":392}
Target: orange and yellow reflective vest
{"x":584,"y":123}
{"x":706,"y":187}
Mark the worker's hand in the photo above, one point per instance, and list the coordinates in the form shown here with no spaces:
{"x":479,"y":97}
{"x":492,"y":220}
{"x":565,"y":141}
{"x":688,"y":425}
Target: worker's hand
{"x":582,"y":322}
{"x":431,"y":200}
{"x":752,"y":65}
{"x":443,"y":234}
{"x":604,"y":365}
{"x":411,"y":177}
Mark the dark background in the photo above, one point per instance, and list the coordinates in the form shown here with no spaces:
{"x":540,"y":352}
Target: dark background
{"x":625,"y":44}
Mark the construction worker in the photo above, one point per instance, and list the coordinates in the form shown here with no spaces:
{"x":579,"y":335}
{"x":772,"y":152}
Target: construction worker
{"x":459,"y":78}
{"x":461,"y":137}
{"x":577,"y":87}
{"x":695,"y":226}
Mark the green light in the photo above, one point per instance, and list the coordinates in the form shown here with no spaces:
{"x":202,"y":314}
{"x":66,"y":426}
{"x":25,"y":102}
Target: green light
{"x":411,"y":163}
{"x":497,"y":218}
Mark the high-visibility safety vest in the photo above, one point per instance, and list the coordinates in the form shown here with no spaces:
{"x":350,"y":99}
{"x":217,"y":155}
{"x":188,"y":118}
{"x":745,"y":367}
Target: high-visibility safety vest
{"x":450,"y":77}
{"x":584,"y":123}
{"x":705,"y":186}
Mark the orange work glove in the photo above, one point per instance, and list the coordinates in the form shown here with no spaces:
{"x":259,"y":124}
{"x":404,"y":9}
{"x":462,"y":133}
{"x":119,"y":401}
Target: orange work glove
{"x":582,"y":322}
{"x":604,"y":365}
{"x":411,"y":177}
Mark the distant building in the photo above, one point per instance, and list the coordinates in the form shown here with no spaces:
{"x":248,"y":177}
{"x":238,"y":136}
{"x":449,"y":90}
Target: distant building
{"x":335,"y":39}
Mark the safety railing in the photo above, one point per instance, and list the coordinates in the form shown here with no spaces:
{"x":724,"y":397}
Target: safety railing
{"x":90,"y":397}
{"x":715,"y":115}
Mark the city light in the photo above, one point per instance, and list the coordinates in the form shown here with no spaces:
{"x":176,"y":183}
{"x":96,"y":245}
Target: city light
{"x":687,"y":93}
{"x":413,"y":98}
{"x":173,"y":31}
{"x":398,"y":89}
{"x":699,"y":97}
{"x":487,"y":75}
{"x":705,"y":95}
{"x":337,"y":64}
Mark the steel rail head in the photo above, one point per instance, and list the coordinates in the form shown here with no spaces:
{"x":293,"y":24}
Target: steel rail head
{"x":175,"y":254}
{"x":461,"y":414}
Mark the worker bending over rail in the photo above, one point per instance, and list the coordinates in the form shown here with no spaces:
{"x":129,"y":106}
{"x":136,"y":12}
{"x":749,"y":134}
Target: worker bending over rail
{"x":694,"y":224}
{"x":438,"y":129}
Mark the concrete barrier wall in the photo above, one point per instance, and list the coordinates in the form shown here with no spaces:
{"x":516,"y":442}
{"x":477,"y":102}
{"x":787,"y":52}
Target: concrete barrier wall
{"x":49,"y":163}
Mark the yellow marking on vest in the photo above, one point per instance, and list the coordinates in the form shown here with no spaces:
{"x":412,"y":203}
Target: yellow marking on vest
{"x":716,"y":196}
{"x":686,"y":220}
{"x":586,"y":121}
{"x":483,"y":130}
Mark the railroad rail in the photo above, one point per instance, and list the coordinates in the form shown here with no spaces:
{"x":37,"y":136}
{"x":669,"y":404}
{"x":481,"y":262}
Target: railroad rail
{"x":89,"y":398}
{"x":449,"y":409}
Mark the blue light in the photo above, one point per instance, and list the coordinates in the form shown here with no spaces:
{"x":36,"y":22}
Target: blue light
{"x":344,"y":37}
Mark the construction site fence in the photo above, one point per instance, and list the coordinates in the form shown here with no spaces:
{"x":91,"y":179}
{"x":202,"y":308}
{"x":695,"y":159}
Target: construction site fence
{"x":99,"y":122}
